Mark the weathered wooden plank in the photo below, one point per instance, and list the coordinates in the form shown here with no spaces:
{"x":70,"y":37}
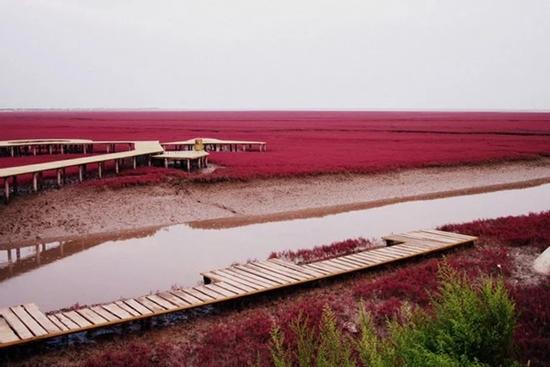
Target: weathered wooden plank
{"x":77,"y":319}
{"x":58,"y":323}
{"x":203,"y":297}
{"x":265,"y":274}
{"x":91,"y":316}
{"x":216,"y":288}
{"x":230,"y":288}
{"x":209,"y":292}
{"x":357,"y":257}
{"x":187,"y":297}
{"x":127,"y":308}
{"x":225,"y":277}
{"x":173,"y":299}
{"x":322,"y":266}
{"x":144,"y":301}
{"x":138,"y":307}
{"x":268,"y":270}
{"x":7,"y":335}
{"x":348,"y":262}
{"x":42,"y":320}
{"x":397,"y":252}
{"x":250,"y":277}
{"x":284,"y":271}
{"x":66,"y":321}
{"x":20,"y":329}
{"x":29,"y":322}
{"x":104,"y":313}
{"x":366,"y":256}
{"x":162,"y":302}
{"x":451,"y":234}
{"x":295,"y":267}
{"x":337,"y":265}
{"x":117,"y":311}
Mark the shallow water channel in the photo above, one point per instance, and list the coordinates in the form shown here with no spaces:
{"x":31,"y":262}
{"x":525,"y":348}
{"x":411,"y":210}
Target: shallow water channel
{"x":101,"y":269}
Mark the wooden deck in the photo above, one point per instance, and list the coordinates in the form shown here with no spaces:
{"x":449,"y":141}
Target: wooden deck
{"x":187,"y":158}
{"x":26,"y":323}
{"x":217,"y":145}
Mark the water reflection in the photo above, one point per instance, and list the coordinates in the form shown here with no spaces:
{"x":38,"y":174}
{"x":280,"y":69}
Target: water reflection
{"x":129,"y":264}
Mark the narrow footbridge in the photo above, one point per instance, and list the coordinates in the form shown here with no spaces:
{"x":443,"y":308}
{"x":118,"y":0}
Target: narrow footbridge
{"x":26,"y":323}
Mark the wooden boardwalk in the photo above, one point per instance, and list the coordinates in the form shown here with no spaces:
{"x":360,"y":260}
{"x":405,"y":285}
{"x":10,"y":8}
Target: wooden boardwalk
{"x":26,"y":323}
{"x":141,"y":149}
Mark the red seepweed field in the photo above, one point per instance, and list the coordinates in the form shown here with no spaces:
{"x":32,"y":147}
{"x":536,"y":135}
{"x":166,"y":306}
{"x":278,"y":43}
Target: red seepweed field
{"x":304,"y":143}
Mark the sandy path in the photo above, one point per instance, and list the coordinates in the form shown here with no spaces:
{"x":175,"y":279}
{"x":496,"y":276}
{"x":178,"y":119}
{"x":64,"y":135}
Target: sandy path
{"x":77,"y":210}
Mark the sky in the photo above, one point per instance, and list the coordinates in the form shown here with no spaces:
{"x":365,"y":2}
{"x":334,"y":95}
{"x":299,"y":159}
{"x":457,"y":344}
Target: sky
{"x":276,"y":55}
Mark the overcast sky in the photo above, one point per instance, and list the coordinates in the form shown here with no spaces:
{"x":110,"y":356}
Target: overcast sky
{"x":275,"y":54}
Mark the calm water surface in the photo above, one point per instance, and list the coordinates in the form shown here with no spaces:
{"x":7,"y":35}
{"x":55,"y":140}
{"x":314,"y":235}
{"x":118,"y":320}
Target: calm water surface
{"x":95,"y":270}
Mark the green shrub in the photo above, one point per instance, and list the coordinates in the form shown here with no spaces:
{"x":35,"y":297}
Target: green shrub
{"x":471,"y":325}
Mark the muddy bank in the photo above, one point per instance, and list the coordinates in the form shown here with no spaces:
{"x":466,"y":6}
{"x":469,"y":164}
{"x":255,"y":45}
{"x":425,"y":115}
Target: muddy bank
{"x":80,"y":210}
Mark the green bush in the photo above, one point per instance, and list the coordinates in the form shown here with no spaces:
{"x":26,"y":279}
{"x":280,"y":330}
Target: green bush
{"x":471,"y":325}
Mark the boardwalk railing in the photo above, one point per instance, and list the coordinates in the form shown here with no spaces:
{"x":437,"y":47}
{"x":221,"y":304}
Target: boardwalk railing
{"x":26,"y":323}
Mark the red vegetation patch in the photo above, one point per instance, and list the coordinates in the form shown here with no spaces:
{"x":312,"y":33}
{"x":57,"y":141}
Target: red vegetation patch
{"x":305,"y":143}
{"x":528,"y":230}
{"x":415,"y":283}
{"x":533,"y":333}
{"x":324,"y":252}
{"x":138,"y":177}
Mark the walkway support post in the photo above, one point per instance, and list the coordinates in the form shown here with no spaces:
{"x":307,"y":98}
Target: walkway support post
{"x":100,"y":170}
{"x":35,"y":182}
{"x":59,"y":181}
{"x":6,"y":190}
{"x":117,"y":167}
{"x":134,"y":162}
{"x":81,"y":173}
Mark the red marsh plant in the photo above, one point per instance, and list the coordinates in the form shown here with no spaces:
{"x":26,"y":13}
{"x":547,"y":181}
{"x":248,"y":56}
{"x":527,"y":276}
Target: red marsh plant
{"x":324,"y":252}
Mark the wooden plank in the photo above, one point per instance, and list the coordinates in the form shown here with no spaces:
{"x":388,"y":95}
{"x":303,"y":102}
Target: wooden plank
{"x":203,"y":297}
{"x":251,"y":277}
{"x":173,"y":299}
{"x":66,"y":321}
{"x":266,"y":274}
{"x":431,"y":237}
{"x":209,"y":292}
{"x":220,"y":290}
{"x":7,"y":335}
{"x":277,"y":274}
{"x":58,"y":323}
{"x":29,"y":322}
{"x":187,"y":297}
{"x":319,"y":265}
{"x":104,"y":313}
{"x":397,"y":252}
{"x":117,"y":311}
{"x":230,"y":288}
{"x":91,"y":316}
{"x":138,"y":307}
{"x":225,"y":277}
{"x":280,"y":271}
{"x":344,"y":267}
{"x":46,"y":324}
{"x":289,"y":271}
{"x":162,"y":302}
{"x":20,"y":329}
{"x":348,"y":262}
{"x":461,"y":236}
{"x":381,"y":256}
{"x":359,"y":258}
{"x":127,"y":308}
{"x":144,"y":301}
{"x":367,"y":257}
{"x":298,"y":268}
{"x":77,"y":319}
